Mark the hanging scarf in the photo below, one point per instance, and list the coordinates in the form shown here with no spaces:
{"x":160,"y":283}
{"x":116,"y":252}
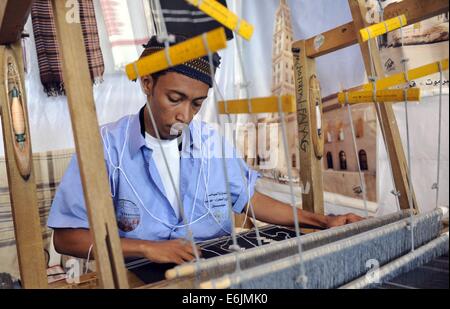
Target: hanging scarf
{"x":127,"y":31}
{"x":48,"y":50}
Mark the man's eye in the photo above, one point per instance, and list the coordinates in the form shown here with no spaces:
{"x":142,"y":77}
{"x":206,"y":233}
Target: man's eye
{"x":198,"y":104}
{"x":174,"y":100}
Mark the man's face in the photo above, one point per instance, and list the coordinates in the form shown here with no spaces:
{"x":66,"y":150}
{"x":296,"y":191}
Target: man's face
{"x":175,"y":99}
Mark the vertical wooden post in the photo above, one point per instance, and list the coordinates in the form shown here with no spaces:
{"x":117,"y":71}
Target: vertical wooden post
{"x":78,"y":86}
{"x":386,"y":114}
{"x":310,"y":162}
{"x":19,"y":168}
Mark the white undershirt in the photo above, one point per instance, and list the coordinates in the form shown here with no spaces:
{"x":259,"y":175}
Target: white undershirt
{"x":173,"y":159}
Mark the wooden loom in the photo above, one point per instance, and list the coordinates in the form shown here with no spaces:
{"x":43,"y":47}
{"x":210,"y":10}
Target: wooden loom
{"x":111,"y":271}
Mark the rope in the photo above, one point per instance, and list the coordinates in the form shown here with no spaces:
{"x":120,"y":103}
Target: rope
{"x":249,"y":104}
{"x":373,"y":80}
{"x":163,"y":35}
{"x":303,"y":280}
{"x":235,"y":247}
{"x":355,"y":147}
{"x":436,"y":184}
{"x":404,"y":62}
{"x":161,"y":29}
{"x":88,"y":258}
{"x":250,"y":208}
{"x":245,"y":83}
{"x":177,"y":194}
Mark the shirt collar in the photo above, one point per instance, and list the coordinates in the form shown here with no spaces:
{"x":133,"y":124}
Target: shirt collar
{"x":136,"y":133}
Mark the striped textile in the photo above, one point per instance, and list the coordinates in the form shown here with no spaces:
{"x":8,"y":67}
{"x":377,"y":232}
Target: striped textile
{"x":181,"y":18}
{"x":127,"y":30}
{"x":48,"y":50}
{"x":91,"y":40}
{"x":49,"y":167}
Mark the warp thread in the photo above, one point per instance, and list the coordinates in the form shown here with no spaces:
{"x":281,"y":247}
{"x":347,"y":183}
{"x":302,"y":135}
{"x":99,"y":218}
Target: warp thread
{"x":333,"y":265}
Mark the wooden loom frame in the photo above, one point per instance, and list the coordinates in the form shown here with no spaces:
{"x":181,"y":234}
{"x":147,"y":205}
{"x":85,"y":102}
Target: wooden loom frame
{"x":305,"y":52}
{"x":110,"y":267}
{"x":111,"y":271}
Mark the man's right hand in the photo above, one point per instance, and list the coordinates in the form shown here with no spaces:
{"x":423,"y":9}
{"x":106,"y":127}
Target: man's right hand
{"x":176,"y":251}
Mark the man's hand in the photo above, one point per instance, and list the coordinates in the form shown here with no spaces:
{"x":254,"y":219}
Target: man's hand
{"x":333,"y":221}
{"x":175,"y":251}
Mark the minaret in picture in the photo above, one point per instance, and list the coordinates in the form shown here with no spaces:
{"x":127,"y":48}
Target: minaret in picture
{"x":283,"y":63}
{"x":282,"y":84}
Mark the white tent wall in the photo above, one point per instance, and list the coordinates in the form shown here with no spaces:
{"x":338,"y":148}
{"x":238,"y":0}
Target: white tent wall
{"x":423,"y":121}
{"x":117,"y":96}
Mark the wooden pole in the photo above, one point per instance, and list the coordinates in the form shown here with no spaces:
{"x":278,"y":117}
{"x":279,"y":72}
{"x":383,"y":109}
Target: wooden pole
{"x":386,"y":114}
{"x":310,"y":162}
{"x":19,"y":168}
{"x":100,"y":209}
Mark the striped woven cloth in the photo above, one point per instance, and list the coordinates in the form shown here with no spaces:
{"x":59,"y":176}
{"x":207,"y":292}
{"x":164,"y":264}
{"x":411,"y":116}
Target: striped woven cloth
{"x":48,"y":50}
{"x":49,"y":168}
{"x":181,"y":18}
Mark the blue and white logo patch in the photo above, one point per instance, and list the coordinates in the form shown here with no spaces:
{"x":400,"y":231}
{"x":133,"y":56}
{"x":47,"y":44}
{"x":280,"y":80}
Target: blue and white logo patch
{"x":128,"y":215}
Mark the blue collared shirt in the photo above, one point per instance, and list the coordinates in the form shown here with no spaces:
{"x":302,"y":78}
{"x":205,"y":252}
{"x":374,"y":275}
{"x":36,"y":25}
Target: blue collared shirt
{"x":141,"y":207}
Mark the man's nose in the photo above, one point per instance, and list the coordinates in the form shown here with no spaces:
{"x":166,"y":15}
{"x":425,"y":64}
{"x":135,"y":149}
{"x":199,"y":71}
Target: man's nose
{"x":184,"y":113}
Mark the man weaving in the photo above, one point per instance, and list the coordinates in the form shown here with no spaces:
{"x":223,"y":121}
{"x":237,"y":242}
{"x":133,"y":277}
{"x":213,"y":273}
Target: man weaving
{"x":153,"y":165}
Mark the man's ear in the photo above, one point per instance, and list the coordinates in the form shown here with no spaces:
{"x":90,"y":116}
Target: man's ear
{"x":147,"y":84}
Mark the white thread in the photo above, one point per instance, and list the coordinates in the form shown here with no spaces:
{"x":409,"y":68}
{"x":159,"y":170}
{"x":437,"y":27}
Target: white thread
{"x":88,"y":258}
{"x":372,"y":78}
{"x":355,"y":147}
{"x":225,"y":171}
{"x":408,"y":145}
{"x":244,"y":76}
{"x":247,"y":186}
{"x":250,"y":110}
{"x":439,"y":133}
{"x":167,"y":54}
{"x":238,"y":26}
{"x":120,"y":169}
{"x":136,"y":71}
{"x":401,"y":21}
{"x":291,"y":189}
{"x":386,"y":27}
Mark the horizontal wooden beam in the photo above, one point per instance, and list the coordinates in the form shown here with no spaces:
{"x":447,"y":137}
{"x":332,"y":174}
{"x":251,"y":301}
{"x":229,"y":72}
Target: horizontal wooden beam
{"x":13,"y":16}
{"x":382,"y":96}
{"x":345,"y":35}
{"x":384,"y":27}
{"x":416,"y":10}
{"x":185,"y":51}
{"x":400,"y":78}
{"x":258,"y":105}
{"x":332,"y":40}
{"x":224,"y":16}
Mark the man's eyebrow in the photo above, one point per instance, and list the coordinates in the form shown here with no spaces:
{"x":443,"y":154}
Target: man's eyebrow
{"x":183,"y":95}
{"x":178,"y":92}
{"x":200,"y":98}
